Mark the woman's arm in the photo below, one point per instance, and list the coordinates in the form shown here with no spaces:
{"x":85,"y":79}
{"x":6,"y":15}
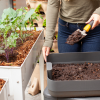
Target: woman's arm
{"x":51,"y":20}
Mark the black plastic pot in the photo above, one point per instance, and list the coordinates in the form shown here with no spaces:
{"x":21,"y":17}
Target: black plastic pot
{"x":72,"y":88}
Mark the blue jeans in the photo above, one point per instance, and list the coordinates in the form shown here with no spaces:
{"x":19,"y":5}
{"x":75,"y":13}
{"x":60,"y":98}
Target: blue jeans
{"x":88,"y":44}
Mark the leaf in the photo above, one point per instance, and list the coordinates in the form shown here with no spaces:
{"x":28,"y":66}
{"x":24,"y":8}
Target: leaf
{"x":41,"y":17}
{"x":2,"y":26}
{"x":11,"y":40}
{"x":28,"y":15}
{"x":37,"y":10}
{"x":0,"y":21}
{"x":2,"y":51}
{"x":20,"y":13}
{"x":13,"y":19}
{"x":10,"y":12}
{"x":44,"y":23}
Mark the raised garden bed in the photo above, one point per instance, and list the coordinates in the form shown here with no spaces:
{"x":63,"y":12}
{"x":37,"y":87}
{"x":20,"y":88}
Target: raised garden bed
{"x":2,"y":82}
{"x":4,"y":89}
{"x":20,"y":75}
{"x":72,"y":84}
{"x":20,"y":49}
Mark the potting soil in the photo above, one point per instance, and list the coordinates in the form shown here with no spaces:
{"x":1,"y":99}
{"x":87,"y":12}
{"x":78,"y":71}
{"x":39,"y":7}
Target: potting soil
{"x":2,"y":82}
{"x":74,"y":38}
{"x":21,"y":50}
{"x":85,"y":71}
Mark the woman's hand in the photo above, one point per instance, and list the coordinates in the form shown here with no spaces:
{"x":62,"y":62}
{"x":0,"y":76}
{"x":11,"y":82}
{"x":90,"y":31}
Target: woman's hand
{"x":46,"y":51}
{"x":96,"y":19}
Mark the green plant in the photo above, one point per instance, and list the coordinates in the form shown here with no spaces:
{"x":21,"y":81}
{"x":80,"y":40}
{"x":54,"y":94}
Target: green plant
{"x":37,"y":10}
{"x":44,"y":23}
{"x":51,"y":50}
{"x":11,"y":22}
{"x":55,"y":37}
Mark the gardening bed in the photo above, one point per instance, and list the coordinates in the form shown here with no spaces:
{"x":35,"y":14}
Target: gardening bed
{"x":4,"y":88}
{"x":21,"y":51}
{"x":2,"y":82}
{"x":20,"y":71}
{"x":20,"y":48}
{"x":74,"y":74}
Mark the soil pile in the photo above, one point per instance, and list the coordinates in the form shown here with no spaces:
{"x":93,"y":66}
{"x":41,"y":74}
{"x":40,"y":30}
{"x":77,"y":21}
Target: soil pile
{"x":74,"y":37}
{"x":85,"y":71}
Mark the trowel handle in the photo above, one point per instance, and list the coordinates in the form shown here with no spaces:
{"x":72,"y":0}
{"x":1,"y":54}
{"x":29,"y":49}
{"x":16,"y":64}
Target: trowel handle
{"x":88,"y":26}
{"x":91,"y":23}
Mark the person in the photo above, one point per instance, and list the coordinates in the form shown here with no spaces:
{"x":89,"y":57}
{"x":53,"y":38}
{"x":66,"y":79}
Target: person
{"x":73,"y":15}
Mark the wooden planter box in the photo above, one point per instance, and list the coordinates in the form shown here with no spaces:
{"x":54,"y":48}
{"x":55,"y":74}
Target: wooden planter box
{"x":4,"y":93}
{"x":19,"y":76}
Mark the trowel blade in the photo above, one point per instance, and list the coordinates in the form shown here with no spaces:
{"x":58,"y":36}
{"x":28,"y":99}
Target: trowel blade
{"x":82,"y":32}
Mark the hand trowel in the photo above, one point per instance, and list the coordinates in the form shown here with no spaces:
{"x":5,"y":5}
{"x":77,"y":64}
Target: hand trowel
{"x":78,"y":34}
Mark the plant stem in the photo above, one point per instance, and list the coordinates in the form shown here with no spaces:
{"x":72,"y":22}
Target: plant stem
{"x":25,"y":28}
{"x":7,"y":55}
{"x":12,"y":50}
{"x":30,"y":27}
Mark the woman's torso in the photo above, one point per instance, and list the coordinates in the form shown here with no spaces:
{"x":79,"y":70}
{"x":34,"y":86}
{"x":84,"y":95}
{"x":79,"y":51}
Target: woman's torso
{"x":77,"y":10}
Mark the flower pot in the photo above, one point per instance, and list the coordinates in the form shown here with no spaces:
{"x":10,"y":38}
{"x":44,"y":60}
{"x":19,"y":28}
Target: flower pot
{"x":4,"y":93}
{"x":72,"y":88}
{"x":19,"y":75}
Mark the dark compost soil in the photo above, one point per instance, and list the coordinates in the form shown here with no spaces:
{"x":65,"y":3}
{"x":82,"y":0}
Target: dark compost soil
{"x":85,"y":71}
{"x":2,"y":82}
{"x":74,"y":37}
{"x":21,"y":51}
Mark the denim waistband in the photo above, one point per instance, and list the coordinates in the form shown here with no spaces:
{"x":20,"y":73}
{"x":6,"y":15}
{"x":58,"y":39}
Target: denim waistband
{"x":64,"y":23}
